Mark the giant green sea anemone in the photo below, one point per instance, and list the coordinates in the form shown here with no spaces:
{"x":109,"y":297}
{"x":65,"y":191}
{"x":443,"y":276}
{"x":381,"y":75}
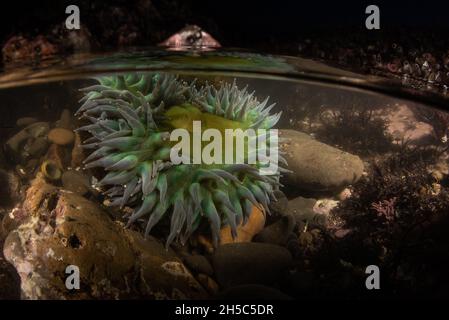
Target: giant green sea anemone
{"x":131,"y":117}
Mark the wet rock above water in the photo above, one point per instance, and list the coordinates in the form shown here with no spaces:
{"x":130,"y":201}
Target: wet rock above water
{"x":317,"y":166}
{"x":64,"y":229}
{"x":250,"y":262}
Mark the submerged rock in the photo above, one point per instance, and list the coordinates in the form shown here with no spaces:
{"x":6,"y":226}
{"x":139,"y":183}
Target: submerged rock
{"x":66,"y":120}
{"x":25,"y":121}
{"x":114,"y":262}
{"x":77,"y":152}
{"x":316,"y":166}
{"x":61,"y":136}
{"x":302,"y":208}
{"x":250,"y":263}
{"x":75,"y":181}
{"x":277,"y":232}
{"x":22,"y":145}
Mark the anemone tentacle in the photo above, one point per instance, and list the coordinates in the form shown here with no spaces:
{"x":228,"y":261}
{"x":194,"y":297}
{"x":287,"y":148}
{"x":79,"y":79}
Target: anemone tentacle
{"x":127,"y":117}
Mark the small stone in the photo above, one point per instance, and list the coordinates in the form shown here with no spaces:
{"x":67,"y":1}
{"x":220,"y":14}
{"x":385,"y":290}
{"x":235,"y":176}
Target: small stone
{"x":38,"y":129}
{"x":25,"y":121}
{"x":61,"y":136}
{"x":249,"y":262}
{"x":199,"y":264}
{"x":75,"y":181}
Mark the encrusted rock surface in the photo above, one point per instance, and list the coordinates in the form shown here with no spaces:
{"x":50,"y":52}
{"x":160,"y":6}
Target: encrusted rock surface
{"x":65,"y":229}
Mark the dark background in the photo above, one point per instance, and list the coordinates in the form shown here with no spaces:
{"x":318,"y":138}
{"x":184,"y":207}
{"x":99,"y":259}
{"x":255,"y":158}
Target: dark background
{"x":234,"y":23}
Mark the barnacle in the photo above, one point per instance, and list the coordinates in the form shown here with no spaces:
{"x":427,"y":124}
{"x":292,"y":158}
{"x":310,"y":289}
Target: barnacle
{"x":131,"y":117}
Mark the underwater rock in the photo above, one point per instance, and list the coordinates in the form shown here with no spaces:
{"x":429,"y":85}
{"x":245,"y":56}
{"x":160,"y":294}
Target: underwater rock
{"x":277,"y":233}
{"x":114,"y":262}
{"x":19,"y":145}
{"x":9,"y":188}
{"x":61,"y":136}
{"x":38,"y":147}
{"x":25,"y":121}
{"x":77,"y":153}
{"x":245,"y":232}
{"x":75,"y":181}
{"x":317,"y":166}
{"x":57,"y":154}
{"x":249,"y":262}
{"x":37,"y":194}
{"x":279,"y":206}
{"x":66,"y":120}
{"x":252,"y":292}
{"x":163,"y":275}
{"x":199,"y":264}
{"x":11,"y":221}
{"x":302,"y":208}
